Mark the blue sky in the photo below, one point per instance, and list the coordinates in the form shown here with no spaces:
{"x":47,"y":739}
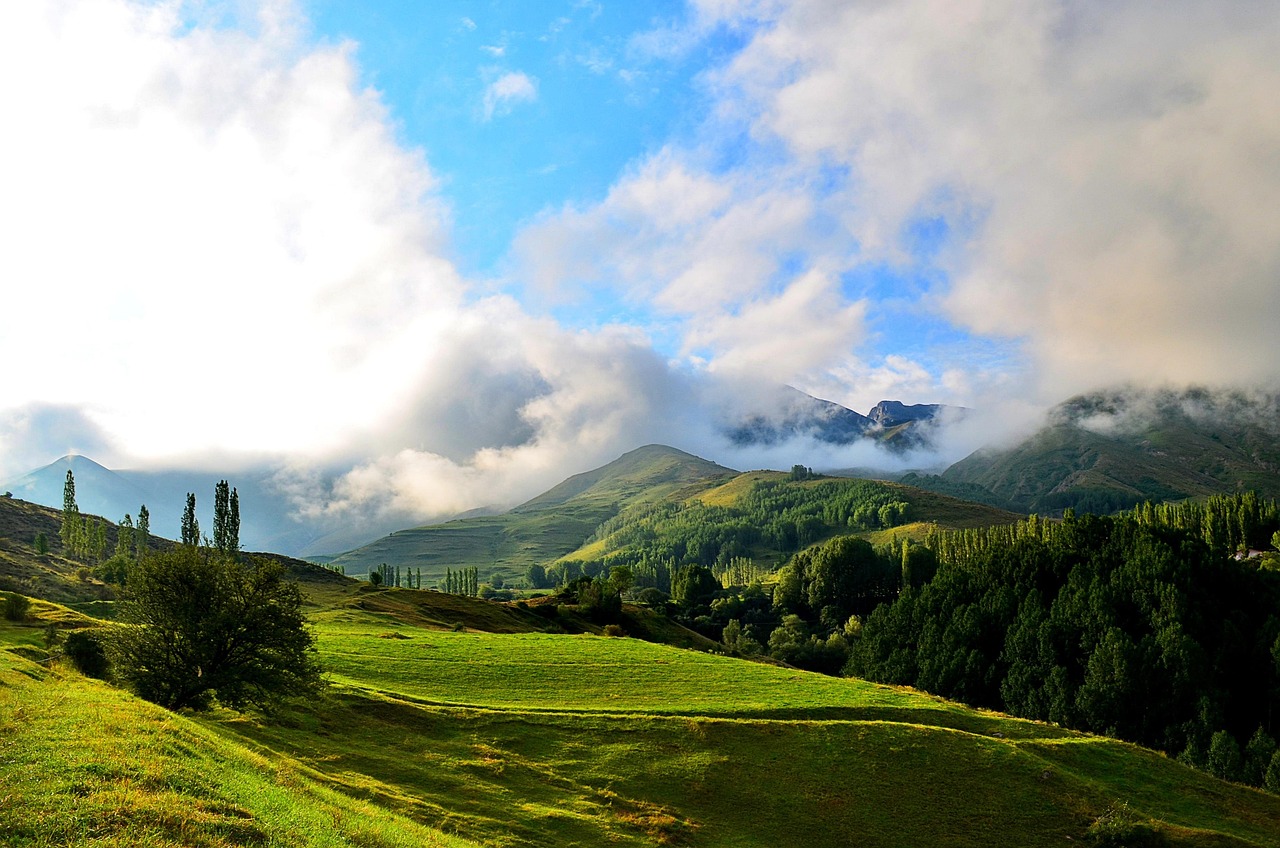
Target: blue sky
{"x":598,"y":102}
{"x":452,"y":251}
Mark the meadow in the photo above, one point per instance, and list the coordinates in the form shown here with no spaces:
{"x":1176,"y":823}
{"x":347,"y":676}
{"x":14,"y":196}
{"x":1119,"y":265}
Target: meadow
{"x":430,"y":735}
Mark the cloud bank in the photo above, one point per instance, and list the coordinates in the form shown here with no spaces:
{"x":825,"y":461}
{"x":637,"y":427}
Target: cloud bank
{"x":219,"y":249}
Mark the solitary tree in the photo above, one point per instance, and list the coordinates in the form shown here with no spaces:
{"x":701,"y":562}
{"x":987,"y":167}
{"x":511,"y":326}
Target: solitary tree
{"x":190,"y":526}
{"x":202,"y":624}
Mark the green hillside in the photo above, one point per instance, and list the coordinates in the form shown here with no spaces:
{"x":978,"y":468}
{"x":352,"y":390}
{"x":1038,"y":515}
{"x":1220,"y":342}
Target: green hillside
{"x":436,"y":737}
{"x":665,"y":495}
{"x":1105,"y":452}
{"x":543,"y":529}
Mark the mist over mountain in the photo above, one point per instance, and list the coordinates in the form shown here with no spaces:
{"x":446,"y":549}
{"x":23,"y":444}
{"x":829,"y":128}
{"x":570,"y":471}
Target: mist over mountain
{"x":1109,"y":450}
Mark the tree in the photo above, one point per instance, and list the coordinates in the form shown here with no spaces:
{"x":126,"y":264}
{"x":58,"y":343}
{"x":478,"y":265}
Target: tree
{"x":85,"y":651}
{"x":190,"y":526}
{"x":203,"y":624}
{"x":1224,"y":756}
{"x":42,"y":544}
{"x":226,"y":518}
{"x":142,"y":532}
{"x":375,"y":578}
{"x":221,"y":516}
{"x":124,"y":538}
{"x":70,"y":528}
{"x":15,"y":606}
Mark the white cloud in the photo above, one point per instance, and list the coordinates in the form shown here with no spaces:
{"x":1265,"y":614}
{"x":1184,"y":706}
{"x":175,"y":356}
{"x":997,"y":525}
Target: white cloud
{"x":1106,"y":168}
{"x":506,"y":91}
{"x":212,"y":236}
{"x":715,"y":253}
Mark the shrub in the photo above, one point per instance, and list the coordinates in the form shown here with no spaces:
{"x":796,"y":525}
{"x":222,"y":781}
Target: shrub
{"x":614,"y":630}
{"x":1119,"y":827}
{"x":84,"y":649}
{"x":16,"y":606}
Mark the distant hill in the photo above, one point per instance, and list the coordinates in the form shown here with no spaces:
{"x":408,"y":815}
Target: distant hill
{"x":544,"y":528}
{"x":659,"y":503}
{"x":268,"y":520}
{"x":1108,"y":451}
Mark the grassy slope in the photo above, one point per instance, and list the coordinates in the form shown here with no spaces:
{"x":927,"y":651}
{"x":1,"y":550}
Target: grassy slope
{"x":535,"y":739}
{"x":543,"y":529}
{"x":525,"y":738}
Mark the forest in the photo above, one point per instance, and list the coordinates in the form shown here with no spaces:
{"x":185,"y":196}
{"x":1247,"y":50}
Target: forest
{"x":1160,"y":625}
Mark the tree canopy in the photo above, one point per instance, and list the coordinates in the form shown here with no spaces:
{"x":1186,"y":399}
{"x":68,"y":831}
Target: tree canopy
{"x":203,"y":624}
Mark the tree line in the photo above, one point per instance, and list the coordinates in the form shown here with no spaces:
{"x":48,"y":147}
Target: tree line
{"x":1142,"y":626}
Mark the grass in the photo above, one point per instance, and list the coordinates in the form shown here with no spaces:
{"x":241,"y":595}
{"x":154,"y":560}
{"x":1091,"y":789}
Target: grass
{"x":82,"y":763}
{"x":433,"y":737}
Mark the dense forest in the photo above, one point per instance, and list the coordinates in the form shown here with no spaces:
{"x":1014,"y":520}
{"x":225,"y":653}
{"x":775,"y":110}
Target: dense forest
{"x":1142,"y":625}
{"x":1160,"y":626}
{"x":739,"y":543}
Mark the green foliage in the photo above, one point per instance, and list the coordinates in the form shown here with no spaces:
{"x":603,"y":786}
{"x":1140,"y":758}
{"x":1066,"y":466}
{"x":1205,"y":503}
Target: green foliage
{"x":536,"y":577}
{"x":142,"y":533}
{"x":85,"y":650}
{"x":15,"y":606}
{"x":115,"y":570}
{"x":1224,"y":756}
{"x":1120,"y":827}
{"x":1138,"y":625}
{"x":693,"y":586}
{"x":226,"y":519}
{"x":69,"y":530}
{"x":124,"y":538}
{"x":1271,"y":779}
{"x":190,"y":524}
{"x":1257,"y":757}
{"x":41,"y":544}
{"x":375,"y":578}
{"x":205,"y":624}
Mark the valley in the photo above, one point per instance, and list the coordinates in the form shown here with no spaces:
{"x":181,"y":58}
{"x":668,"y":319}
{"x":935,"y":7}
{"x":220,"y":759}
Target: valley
{"x":694,"y":716}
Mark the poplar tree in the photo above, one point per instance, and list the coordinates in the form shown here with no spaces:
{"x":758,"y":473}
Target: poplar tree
{"x":190,"y":526}
{"x":124,"y":538}
{"x":226,"y":518}
{"x":233,"y":523}
{"x":142,"y":531}
{"x":69,"y":531}
{"x":221,"y":516}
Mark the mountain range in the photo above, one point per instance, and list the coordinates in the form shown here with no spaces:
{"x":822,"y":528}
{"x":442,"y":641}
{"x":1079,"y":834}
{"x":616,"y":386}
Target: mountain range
{"x":793,"y":414}
{"x":269,"y":521}
{"x":1107,"y":451}
{"x":1098,"y":452}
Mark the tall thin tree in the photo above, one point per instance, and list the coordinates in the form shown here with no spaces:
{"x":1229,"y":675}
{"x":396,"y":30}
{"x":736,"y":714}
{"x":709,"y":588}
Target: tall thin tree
{"x":221,"y":516}
{"x":142,"y":531}
{"x":190,"y":526}
{"x":70,"y":514}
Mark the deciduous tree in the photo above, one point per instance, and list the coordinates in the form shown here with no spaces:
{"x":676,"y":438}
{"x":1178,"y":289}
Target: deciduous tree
{"x":201,"y":624}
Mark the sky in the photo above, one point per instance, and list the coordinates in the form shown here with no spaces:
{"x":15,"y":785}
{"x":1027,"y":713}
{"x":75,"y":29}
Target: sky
{"x":431,"y":256}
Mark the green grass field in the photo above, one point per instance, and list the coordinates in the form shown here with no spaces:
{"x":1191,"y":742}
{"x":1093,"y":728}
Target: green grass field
{"x":433,"y":737}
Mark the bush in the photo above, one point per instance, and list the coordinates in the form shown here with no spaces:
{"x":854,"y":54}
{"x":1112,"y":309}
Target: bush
{"x":614,"y":630}
{"x":1119,"y":827}
{"x":205,"y":624}
{"x":84,"y":649}
{"x":16,"y":606}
